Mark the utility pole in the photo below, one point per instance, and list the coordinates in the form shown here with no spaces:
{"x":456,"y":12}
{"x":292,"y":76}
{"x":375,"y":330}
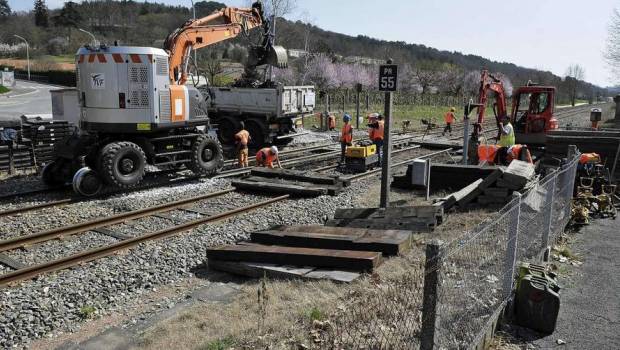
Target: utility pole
{"x":388,"y":80}
{"x":27,"y":52}
{"x":357,"y":106}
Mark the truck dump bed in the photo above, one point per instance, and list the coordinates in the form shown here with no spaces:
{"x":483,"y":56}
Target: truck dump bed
{"x":284,"y":101}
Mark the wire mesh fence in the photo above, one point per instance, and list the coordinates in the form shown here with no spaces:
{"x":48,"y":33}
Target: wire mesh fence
{"x":446,"y":301}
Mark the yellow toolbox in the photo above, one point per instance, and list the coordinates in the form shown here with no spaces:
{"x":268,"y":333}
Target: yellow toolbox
{"x":361,"y":151}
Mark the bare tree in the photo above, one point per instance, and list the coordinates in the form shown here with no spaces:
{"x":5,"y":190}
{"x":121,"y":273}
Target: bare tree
{"x":574,"y":75}
{"x":451,"y":79}
{"x":612,"y":52}
{"x":213,"y":68}
{"x":426,"y":74}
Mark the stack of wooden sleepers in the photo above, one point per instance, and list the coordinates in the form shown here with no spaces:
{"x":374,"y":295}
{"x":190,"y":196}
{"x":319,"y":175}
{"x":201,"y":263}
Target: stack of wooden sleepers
{"x":312,"y":252}
{"x":295,"y":183}
{"x":22,"y":157}
{"x":496,"y":189}
{"x":42,"y":135}
{"x":422,"y":218}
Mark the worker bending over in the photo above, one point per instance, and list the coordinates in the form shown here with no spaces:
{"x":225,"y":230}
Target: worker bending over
{"x":449,"y":119}
{"x":507,"y":133}
{"x":346,"y":136}
{"x":242,"y":139}
{"x":266,"y":156}
{"x":376,"y":127}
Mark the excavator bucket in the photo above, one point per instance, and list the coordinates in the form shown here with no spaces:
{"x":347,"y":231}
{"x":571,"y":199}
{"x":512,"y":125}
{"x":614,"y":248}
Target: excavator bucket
{"x":272,"y":55}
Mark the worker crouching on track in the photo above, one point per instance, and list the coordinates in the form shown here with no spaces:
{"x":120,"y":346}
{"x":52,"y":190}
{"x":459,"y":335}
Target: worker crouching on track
{"x":376,"y":126}
{"x":242,"y":139}
{"x":266,"y":156}
{"x":507,"y":133}
{"x":346,"y":136}
{"x":449,"y":119}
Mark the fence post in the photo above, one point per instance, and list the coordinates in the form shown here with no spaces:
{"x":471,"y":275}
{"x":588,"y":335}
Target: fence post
{"x":429,"y":304}
{"x":547,"y":233}
{"x":511,"y":250}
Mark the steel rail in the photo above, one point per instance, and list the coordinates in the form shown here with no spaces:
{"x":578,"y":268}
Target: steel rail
{"x":100,"y":252}
{"x":101,"y":222}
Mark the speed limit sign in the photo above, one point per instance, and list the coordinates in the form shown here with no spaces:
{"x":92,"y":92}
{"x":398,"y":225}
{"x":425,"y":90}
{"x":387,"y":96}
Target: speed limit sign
{"x":388,"y":77}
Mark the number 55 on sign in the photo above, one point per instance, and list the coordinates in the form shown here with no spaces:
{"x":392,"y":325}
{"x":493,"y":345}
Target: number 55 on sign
{"x":388,"y":78}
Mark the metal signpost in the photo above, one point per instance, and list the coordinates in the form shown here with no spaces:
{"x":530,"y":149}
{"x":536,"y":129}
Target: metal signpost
{"x":388,"y":82}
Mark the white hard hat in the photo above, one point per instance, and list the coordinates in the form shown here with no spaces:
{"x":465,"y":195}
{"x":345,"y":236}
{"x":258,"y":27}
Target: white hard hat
{"x":274,"y":149}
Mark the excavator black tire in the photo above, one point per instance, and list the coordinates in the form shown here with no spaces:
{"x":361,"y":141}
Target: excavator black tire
{"x":207,"y":156}
{"x":122,"y":164}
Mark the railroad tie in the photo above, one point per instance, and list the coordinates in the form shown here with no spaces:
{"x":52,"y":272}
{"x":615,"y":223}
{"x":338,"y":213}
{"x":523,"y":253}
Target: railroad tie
{"x":10,"y":262}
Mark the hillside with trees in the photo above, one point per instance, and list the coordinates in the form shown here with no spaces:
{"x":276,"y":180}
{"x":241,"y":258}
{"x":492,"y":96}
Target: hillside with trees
{"x":330,"y":60}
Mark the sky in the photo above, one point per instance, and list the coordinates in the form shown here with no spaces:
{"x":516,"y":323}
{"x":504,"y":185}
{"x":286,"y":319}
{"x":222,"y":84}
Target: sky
{"x":543,"y":34}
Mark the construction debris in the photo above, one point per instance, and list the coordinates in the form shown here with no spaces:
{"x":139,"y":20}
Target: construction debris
{"x":295,"y":183}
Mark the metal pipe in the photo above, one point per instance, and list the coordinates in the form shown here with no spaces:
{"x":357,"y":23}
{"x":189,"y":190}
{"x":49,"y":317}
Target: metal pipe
{"x":27,"y":52}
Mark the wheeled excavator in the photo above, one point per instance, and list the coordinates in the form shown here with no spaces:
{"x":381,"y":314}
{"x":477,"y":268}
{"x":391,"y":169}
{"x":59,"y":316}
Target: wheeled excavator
{"x":136,"y":109}
{"x":532,"y":114}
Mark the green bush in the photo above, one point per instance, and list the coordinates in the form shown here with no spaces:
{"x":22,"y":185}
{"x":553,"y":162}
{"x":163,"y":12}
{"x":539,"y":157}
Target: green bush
{"x":4,"y":89}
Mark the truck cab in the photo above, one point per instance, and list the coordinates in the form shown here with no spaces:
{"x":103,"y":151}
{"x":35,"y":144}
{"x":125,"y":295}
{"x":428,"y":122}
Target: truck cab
{"x":532,"y":115}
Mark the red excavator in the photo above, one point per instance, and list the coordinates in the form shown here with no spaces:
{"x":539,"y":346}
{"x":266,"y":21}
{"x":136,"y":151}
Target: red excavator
{"x":532,"y":112}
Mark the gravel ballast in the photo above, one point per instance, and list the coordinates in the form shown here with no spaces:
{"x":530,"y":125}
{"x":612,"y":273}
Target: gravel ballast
{"x":58,"y":302}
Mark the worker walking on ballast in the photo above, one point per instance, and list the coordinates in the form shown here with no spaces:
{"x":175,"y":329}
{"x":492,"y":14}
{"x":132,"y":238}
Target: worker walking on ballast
{"x":346,"y":136}
{"x":375,"y":132}
{"x":266,"y":156}
{"x":449,"y":119}
{"x":507,"y":133}
{"x":242,"y":139}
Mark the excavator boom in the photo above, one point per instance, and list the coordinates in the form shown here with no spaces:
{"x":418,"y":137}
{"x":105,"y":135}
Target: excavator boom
{"x":489,"y":83}
{"x":221,"y":25}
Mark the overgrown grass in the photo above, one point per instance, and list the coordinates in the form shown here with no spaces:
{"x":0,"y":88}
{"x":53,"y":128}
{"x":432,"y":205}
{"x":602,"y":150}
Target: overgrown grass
{"x":219,"y":344}
{"x":87,"y":312}
{"x":4,"y":90}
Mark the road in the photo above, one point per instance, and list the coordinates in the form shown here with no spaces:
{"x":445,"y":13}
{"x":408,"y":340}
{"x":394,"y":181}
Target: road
{"x":26,"y":98}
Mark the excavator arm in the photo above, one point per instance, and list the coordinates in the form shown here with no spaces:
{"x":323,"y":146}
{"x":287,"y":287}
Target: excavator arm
{"x":489,"y":83}
{"x":221,"y":25}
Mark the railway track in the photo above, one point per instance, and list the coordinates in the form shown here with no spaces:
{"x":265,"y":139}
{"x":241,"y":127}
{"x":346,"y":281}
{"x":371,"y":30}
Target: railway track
{"x":324,"y":152}
{"x":98,"y":225}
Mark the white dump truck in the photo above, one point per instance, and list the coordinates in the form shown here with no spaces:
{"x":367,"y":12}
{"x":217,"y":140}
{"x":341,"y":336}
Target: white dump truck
{"x":271,"y":115}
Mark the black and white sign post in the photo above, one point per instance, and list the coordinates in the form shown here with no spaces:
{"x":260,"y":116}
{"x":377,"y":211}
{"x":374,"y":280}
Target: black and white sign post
{"x":388,"y":81}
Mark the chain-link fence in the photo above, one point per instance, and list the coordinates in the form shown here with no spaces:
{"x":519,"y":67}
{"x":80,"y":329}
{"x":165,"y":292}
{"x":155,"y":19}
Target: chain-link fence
{"x":447,"y":300}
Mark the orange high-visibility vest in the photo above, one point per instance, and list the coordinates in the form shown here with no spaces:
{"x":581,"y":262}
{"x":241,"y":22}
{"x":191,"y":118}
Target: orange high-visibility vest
{"x":346,"y":135}
{"x":515,"y":154}
{"x":590,"y":158}
{"x":378,"y":132}
{"x":487,"y":153}
{"x":264,"y":157}
{"x":449,"y":118}
{"x":331,"y":122}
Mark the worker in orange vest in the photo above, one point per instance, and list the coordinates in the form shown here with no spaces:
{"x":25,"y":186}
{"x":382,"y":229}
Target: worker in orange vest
{"x":242,"y":139}
{"x":266,"y":156}
{"x":331,"y":122}
{"x":449,"y":119}
{"x":346,"y":136}
{"x":375,"y":131}
{"x":505,"y":155}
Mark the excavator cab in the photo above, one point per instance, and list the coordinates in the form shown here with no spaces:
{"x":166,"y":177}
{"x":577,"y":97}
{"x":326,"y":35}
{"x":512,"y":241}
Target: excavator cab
{"x":532,"y":113}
